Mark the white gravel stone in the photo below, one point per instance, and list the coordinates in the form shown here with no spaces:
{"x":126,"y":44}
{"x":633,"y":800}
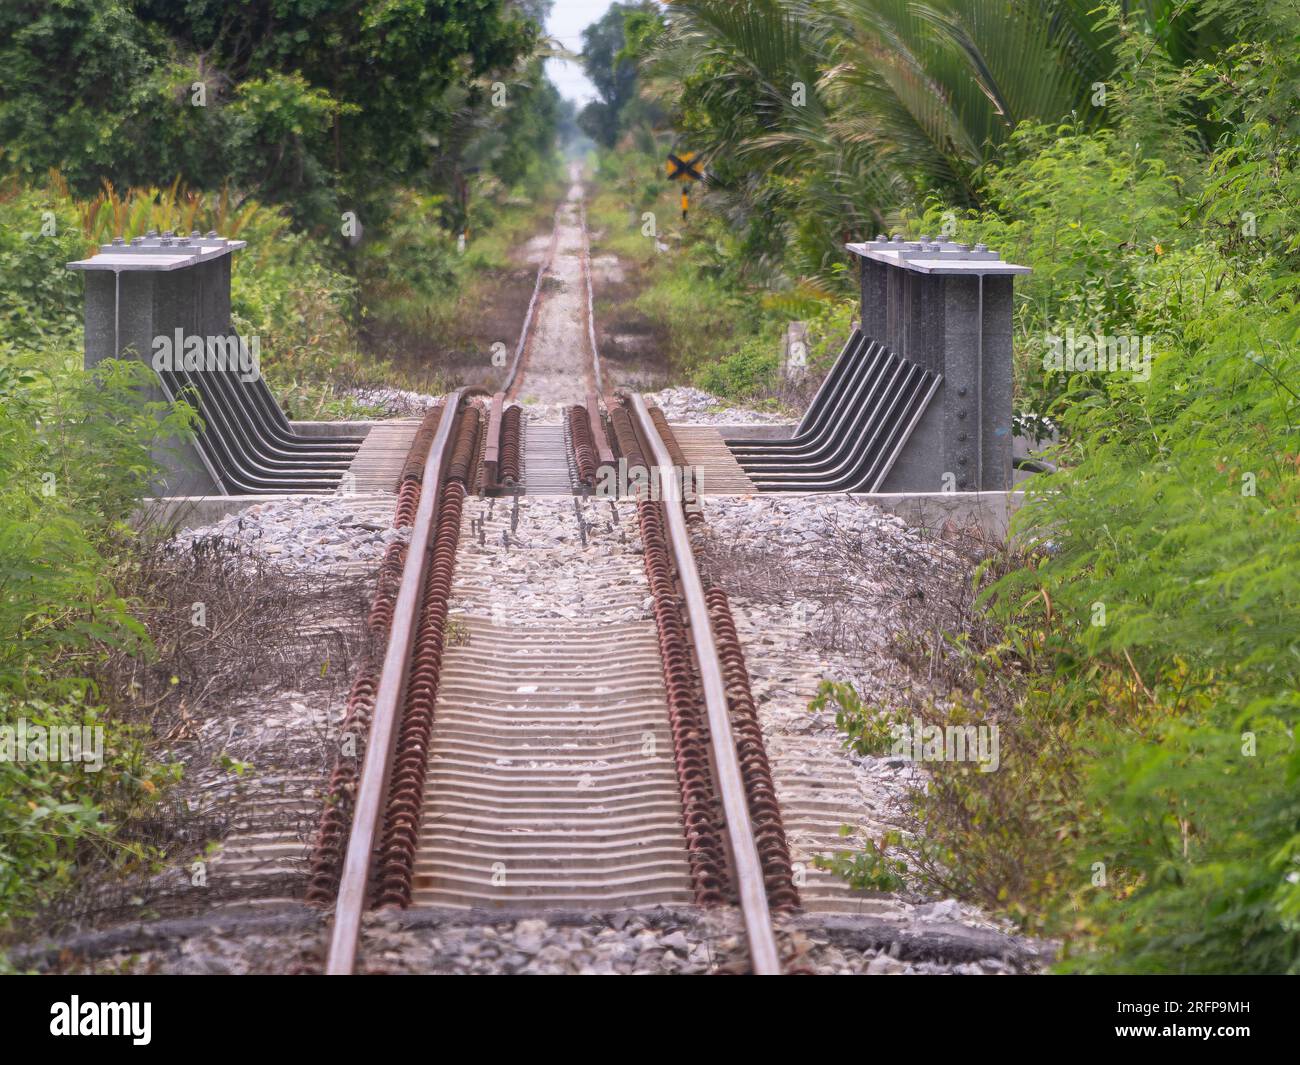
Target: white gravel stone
{"x":785,"y":542}
{"x":683,"y":941}
{"x":395,"y":402}
{"x":693,"y":407}
{"x":306,"y":534}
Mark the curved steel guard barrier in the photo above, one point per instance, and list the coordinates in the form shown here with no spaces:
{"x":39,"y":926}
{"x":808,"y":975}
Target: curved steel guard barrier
{"x":854,"y":429}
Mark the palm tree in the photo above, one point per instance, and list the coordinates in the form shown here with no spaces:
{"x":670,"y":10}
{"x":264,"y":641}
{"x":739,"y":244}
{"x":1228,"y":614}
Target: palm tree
{"x":771,"y":121}
{"x":938,"y":84}
{"x":866,"y":105}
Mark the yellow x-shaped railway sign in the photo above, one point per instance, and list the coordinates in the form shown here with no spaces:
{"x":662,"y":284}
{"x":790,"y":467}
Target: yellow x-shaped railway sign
{"x":683,"y":167}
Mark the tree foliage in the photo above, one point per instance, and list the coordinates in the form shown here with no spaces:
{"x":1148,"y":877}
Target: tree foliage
{"x":820,"y":119}
{"x":311,"y":103}
{"x":1146,"y":807}
{"x":612,"y":70}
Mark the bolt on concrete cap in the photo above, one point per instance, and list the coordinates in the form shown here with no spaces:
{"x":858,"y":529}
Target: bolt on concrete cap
{"x":154,"y":253}
{"x":927,"y":256}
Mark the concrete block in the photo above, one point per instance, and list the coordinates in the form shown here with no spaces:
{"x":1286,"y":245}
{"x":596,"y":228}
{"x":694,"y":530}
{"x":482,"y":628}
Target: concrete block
{"x":946,"y":307}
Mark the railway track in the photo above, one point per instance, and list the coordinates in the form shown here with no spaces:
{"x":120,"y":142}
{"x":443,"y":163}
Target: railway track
{"x":523,"y":743}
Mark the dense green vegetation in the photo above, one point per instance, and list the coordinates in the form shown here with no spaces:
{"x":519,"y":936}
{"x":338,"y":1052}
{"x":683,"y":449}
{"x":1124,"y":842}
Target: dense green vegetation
{"x":74,"y":459}
{"x":323,"y":106}
{"x":611,"y":66}
{"x":687,"y":283}
{"x":820,"y":120}
{"x":273,"y":122}
{"x":1140,"y":652}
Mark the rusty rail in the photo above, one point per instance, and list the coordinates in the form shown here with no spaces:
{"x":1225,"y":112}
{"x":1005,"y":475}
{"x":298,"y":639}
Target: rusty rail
{"x":512,"y":443}
{"x":372,"y":789}
{"x":591,"y":311}
{"x":690,"y":490}
{"x":604,"y":453}
{"x":492,"y":448}
{"x":584,"y":448}
{"x":513,"y":380}
{"x":721,"y":763}
{"x":705,"y":850}
{"x":747,"y":866}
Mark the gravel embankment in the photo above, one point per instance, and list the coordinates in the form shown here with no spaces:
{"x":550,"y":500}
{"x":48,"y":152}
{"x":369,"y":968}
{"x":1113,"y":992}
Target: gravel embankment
{"x":444,"y":942}
{"x":821,"y":586}
{"x":395,"y":402}
{"x":683,"y":404}
{"x":307,"y":534}
{"x":694,"y":407}
{"x":784,"y":561}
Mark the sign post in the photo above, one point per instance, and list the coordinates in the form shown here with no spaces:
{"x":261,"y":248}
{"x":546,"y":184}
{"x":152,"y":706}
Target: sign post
{"x":684,"y":168}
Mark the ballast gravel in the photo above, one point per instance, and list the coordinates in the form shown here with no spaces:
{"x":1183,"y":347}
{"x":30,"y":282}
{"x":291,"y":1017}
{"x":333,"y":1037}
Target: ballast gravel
{"x":695,"y":407}
{"x":669,"y":942}
{"x":785,"y":538}
{"x":394,"y":402}
{"x":307,"y":533}
{"x":781,"y":560}
{"x":682,"y":941}
{"x":682,"y":405}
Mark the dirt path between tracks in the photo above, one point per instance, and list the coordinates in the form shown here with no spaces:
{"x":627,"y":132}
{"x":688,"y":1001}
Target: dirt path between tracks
{"x":557,"y":357}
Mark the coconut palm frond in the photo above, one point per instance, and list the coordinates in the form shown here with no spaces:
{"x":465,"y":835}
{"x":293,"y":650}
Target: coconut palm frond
{"x":834,"y":114}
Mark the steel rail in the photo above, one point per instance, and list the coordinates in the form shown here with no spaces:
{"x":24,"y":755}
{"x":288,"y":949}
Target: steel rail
{"x":748,"y":868}
{"x":512,"y":385}
{"x":875,"y":444}
{"x":859,"y":431}
{"x":591,"y":312}
{"x":871,"y":418}
{"x":849,"y":406}
{"x":514,"y":380}
{"x":843,"y":400}
{"x":828,"y":385}
{"x":492,"y":450}
{"x":368,"y":812}
{"x":604,"y":454}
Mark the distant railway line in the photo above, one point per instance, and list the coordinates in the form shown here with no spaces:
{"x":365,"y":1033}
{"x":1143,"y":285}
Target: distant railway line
{"x":517,"y":765}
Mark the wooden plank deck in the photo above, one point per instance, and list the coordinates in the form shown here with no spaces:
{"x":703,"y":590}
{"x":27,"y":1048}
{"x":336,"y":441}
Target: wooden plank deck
{"x":719,"y":472}
{"x":378,"y":464}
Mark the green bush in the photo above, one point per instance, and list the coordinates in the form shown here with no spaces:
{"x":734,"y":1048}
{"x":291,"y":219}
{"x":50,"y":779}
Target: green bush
{"x":749,"y":372}
{"x":1095,"y":222}
{"x":74,"y":458}
{"x":412,"y":270}
{"x":1148,"y":658}
{"x":285,"y":291}
{"x":40,"y":299}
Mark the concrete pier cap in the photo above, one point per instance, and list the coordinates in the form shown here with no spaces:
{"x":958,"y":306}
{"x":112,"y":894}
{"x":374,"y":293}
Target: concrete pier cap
{"x":946,"y":307}
{"x":149,"y":287}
